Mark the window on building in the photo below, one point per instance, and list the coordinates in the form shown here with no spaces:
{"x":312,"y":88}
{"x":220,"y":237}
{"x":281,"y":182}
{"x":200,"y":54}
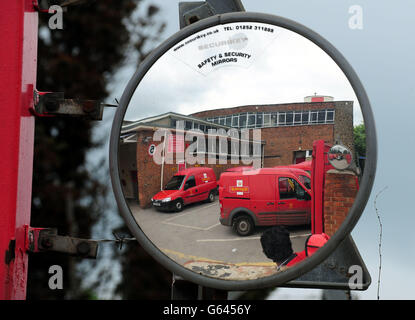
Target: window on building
{"x":305,"y":117}
{"x":267,"y":120}
{"x":235,"y":121}
{"x":330,"y":116}
{"x":259,"y":120}
{"x":289,"y":118}
{"x":274,"y":119}
{"x":313,"y":116}
{"x":321,"y":116}
{"x":251,"y":120}
{"x":188,"y":125}
{"x":281,"y":119}
{"x":297,"y":117}
{"x":202,"y":127}
{"x":299,"y":156}
{"x":242,"y":120}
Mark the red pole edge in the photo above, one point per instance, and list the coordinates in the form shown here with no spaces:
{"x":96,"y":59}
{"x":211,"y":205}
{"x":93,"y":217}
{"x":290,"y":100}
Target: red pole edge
{"x":18,"y":64}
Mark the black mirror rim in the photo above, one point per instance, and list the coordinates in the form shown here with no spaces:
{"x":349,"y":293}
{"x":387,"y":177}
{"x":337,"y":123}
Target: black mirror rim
{"x":354,"y":213}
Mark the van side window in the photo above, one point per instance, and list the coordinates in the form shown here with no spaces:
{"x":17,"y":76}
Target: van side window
{"x":190,"y":182}
{"x":287,"y":188}
{"x":305,"y":181}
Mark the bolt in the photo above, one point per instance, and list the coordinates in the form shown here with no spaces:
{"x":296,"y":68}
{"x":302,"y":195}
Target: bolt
{"x":46,"y":243}
{"x":83,"y":248}
{"x":51,"y":105}
{"x":89,"y":106}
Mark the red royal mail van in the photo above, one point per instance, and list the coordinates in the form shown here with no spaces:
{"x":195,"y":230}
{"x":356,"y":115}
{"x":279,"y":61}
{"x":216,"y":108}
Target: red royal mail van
{"x":263,"y":197}
{"x":187,"y":186}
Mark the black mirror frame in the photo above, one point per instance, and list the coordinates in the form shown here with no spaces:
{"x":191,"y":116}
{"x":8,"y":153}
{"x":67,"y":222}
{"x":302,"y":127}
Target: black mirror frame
{"x":355,"y":211}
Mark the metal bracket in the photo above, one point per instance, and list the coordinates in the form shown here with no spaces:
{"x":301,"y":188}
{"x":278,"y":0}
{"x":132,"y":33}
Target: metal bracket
{"x":333,"y":273}
{"x":47,"y":239}
{"x":48,"y":104}
{"x":191,"y":12}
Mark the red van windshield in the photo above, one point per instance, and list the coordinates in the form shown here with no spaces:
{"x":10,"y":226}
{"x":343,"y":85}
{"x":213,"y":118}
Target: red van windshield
{"x":174,"y":183}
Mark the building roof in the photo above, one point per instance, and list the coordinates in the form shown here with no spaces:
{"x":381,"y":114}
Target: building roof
{"x":132,"y":125}
{"x":267,"y":107}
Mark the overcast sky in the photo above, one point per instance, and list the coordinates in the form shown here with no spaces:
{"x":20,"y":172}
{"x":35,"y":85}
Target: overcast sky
{"x":273,"y":67}
{"x":381,"y":53}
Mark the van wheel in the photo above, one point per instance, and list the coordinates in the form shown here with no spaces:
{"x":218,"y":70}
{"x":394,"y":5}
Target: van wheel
{"x":211,"y":196}
{"x":178,"y":206}
{"x":243,"y":225}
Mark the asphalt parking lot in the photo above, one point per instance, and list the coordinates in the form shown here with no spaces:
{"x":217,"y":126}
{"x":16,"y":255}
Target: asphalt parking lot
{"x":196,"y":239}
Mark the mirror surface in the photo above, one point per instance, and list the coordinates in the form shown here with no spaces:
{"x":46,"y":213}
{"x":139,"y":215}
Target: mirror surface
{"x":226,"y":137}
{"x":340,"y":157}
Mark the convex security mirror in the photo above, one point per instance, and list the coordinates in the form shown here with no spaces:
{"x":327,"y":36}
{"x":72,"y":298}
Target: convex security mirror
{"x":340,"y":157}
{"x":219,"y":151}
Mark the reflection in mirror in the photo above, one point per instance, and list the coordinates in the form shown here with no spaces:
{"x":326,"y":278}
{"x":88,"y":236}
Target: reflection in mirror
{"x":340,"y":157}
{"x":224,"y":145}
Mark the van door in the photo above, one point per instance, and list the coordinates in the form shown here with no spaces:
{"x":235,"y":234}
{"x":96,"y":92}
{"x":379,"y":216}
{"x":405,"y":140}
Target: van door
{"x":293,"y":205}
{"x":190,"y":190}
{"x":202,"y":182}
{"x":263,"y":200}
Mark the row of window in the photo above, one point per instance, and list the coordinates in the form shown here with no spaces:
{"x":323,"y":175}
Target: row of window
{"x":275,"y":119}
{"x":226,"y":147}
{"x":189,"y":125}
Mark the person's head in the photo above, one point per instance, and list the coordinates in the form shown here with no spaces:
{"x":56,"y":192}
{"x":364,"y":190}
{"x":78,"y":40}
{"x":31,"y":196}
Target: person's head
{"x":276,"y":244}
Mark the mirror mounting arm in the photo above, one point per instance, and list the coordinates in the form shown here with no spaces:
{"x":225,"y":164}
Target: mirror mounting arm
{"x":47,"y":239}
{"x":50,"y":104}
{"x":191,"y":12}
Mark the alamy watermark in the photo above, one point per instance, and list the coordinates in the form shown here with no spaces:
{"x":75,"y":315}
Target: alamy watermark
{"x":356,"y":18}
{"x":56,"y":20}
{"x":355,"y":21}
{"x":195,"y":146}
{"x":56,"y":280}
{"x":356,"y":277}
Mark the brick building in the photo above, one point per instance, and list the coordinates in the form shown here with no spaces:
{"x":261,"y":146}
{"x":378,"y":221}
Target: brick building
{"x":290,"y":129}
{"x":167,"y":137}
{"x":340,"y":192}
{"x":287,"y":135}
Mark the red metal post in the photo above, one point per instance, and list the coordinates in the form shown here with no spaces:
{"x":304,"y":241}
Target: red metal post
{"x":319,"y":166}
{"x":317,"y":178}
{"x":18,"y":62}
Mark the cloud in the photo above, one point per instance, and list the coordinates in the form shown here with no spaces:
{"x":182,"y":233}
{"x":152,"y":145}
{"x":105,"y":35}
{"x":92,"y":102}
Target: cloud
{"x":283,"y":68}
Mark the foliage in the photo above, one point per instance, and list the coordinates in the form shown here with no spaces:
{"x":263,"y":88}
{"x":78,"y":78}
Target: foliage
{"x":360,"y":139}
{"x":79,"y":61}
